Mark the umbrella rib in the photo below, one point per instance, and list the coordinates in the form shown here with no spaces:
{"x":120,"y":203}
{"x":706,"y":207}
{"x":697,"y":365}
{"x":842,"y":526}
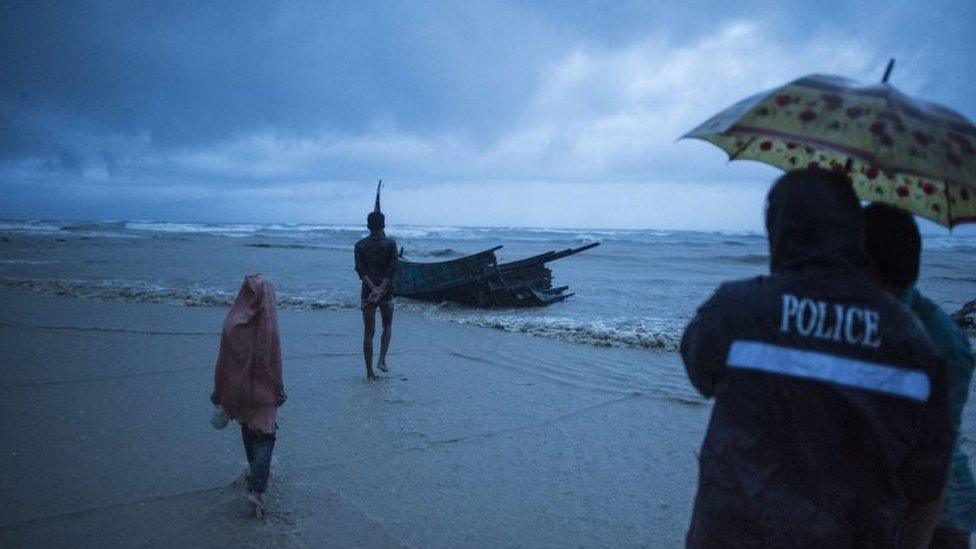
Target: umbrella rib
{"x":945,"y":184}
{"x":742,"y":149}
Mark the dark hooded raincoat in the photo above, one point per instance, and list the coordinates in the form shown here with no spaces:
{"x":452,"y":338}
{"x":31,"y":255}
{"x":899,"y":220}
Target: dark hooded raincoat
{"x":831,"y":416}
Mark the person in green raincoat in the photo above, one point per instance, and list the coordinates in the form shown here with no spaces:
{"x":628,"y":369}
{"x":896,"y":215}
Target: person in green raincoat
{"x":893,"y":246}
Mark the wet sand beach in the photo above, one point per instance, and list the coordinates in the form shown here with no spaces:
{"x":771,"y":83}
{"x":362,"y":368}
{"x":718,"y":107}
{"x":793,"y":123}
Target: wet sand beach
{"x":477,"y":437}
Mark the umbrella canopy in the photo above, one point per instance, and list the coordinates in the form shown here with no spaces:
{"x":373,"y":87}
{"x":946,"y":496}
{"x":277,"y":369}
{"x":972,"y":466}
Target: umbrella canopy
{"x":910,"y":153}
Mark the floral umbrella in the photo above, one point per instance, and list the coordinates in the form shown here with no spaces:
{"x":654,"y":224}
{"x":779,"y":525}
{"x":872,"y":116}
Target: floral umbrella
{"x":913,"y":154}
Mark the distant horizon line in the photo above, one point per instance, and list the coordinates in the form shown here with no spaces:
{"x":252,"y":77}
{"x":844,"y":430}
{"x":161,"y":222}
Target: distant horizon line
{"x":341,"y":224}
{"x":926,"y":228}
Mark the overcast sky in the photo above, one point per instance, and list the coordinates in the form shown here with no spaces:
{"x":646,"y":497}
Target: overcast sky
{"x":475,"y":113}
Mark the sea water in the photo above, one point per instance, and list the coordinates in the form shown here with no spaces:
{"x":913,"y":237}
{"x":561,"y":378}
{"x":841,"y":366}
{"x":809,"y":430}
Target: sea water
{"x":637,"y":289}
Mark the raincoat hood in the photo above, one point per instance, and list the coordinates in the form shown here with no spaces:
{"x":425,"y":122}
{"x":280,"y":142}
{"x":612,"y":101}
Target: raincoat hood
{"x":814,"y":218}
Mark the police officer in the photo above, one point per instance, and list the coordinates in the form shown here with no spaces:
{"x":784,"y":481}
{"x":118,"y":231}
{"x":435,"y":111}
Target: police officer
{"x":831,"y":425}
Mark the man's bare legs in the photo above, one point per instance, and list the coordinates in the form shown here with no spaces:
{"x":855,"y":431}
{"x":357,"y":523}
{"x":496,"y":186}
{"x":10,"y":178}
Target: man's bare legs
{"x":386,"y":313}
{"x":369,"y":329}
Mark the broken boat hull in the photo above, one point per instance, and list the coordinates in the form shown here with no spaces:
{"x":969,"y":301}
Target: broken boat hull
{"x":479,"y":280}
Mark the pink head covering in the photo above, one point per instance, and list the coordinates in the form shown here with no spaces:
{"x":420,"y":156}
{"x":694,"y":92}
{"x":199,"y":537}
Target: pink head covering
{"x":247,"y":380}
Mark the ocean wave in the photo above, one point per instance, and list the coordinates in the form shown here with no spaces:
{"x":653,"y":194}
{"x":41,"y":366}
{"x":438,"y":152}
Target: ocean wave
{"x":949,"y":246}
{"x":216,"y":229}
{"x":283,"y":246}
{"x":303,"y":228}
{"x":439,"y":252}
{"x":445,"y":233}
{"x":628,"y":332}
{"x":102,"y":226}
{"x":30,"y":226}
{"x":748,"y":259}
{"x":29,"y":261}
{"x":310,"y":303}
{"x":302,"y":231}
{"x":597,"y":233}
{"x":63,"y":230}
{"x":631,"y":332}
{"x":121,"y":290}
{"x":970,"y":279}
{"x":145,"y":292}
{"x":288,"y":246}
{"x":586,"y":238}
{"x":749,"y":234}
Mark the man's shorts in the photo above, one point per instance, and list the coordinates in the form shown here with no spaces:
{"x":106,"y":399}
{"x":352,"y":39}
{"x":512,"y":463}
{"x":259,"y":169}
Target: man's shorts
{"x":384,"y":304}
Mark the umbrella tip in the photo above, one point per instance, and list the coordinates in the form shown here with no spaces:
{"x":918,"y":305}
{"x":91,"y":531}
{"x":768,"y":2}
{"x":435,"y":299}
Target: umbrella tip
{"x":887,"y":72}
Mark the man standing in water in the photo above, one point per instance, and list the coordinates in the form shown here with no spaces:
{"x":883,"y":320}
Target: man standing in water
{"x":831,"y":425}
{"x":376,"y":259}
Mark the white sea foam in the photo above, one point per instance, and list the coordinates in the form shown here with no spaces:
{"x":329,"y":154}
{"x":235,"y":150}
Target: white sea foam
{"x":621,"y":332}
{"x":436,"y":252}
{"x":639,"y":333}
{"x":302,"y":228}
{"x":950,"y":243}
{"x":30,"y":226}
{"x":27,"y":262}
{"x":157,"y":292}
{"x":449,"y":233}
{"x":63,"y":229}
{"x":636,"y":272}
{"x":232,"y":229}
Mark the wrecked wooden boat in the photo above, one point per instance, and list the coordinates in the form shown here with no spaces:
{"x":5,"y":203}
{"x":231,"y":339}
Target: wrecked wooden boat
{"x":479,"y":280}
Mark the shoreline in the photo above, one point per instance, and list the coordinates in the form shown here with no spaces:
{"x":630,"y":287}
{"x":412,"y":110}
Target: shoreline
{"x":589,"y":333}
{"x":477,"y":437}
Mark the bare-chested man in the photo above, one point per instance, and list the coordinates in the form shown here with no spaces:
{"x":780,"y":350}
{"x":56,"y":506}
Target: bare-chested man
{"x":376,"y":260}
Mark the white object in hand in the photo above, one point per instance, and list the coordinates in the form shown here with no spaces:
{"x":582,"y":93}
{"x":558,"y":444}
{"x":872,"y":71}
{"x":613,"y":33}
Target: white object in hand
{"x":220,"y":418}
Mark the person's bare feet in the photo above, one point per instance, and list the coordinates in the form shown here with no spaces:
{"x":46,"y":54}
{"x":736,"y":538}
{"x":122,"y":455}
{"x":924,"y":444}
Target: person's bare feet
{"x":383,"y":367}
{"x":256,"y":500}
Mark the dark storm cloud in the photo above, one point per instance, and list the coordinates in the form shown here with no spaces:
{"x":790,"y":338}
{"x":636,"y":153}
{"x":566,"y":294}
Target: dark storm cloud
{"x":108,"y":104}
{"x":197,"y":72}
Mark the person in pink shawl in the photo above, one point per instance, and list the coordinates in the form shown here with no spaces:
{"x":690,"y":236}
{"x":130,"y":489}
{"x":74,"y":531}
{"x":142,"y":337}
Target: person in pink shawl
{"x":248,"y":383}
